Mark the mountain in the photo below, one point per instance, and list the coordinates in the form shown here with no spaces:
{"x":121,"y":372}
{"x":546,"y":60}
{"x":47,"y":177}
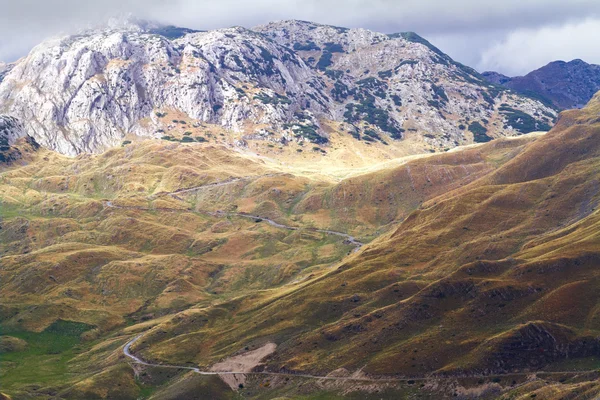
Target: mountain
{"x":565,"y":85}
{"x":402,"y":82}
{"x":284,"y":82}
{"x":84,"y":93}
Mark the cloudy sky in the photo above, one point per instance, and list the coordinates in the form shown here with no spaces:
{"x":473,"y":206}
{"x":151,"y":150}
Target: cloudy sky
{"x":509,"y":36}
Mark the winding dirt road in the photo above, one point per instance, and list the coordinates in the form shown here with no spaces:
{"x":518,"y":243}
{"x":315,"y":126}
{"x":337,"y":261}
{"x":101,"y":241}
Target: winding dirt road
{"x":347,"y":238}
{"x":137,"y":360}
{"x":211,"y":185}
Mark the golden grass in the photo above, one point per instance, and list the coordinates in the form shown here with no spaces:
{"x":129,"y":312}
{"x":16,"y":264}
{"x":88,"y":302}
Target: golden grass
{"x":510,"y":253}
{"x":470,"y":249}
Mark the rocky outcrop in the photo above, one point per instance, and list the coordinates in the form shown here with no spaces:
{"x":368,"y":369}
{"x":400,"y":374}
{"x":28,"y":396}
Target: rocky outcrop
{"x":496,"y":77}
{"x":84,"y":93}
{"x":12,"y":132}
{"x":565,"y":85}
{"x":535,"y":345}
{"x":4,"y":69}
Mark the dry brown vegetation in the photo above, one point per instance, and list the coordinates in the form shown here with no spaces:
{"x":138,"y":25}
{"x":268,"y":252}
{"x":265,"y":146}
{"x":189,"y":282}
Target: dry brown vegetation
{"x":481,"y":262}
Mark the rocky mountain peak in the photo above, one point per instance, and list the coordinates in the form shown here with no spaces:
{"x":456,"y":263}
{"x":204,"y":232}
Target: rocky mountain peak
{"x":307,"y":36}
{"x":574,"y":63}
{"x":84,"y":93}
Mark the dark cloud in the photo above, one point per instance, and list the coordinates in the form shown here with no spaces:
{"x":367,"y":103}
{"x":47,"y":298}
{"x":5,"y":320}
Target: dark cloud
{"x":480,"y":33}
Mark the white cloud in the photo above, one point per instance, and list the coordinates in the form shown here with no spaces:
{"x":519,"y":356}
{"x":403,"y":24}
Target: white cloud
{"x":524,"y":50}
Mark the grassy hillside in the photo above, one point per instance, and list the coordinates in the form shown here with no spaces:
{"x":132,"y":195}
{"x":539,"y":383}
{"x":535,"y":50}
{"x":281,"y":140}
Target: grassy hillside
{"x":495,"y":277}
{"x":479,"y":262}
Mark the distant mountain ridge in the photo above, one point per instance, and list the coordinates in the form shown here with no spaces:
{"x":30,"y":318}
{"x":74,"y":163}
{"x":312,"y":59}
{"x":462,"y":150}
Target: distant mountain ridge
{"x":565,"y":85}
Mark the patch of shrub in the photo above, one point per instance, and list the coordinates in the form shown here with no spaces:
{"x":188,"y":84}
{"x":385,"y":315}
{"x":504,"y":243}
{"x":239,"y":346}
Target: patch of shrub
{"x":439,"y":93}
{"x":334,"y":73}
{"x":341,"y":91}
{"x":406,"y":62}
{"x":275,"y":100}
{"x":172,"y":32}
{"x":368,"y":111}
{"x":523,"y":122}
{"x":333,"y":47}
{"x":68,"y":328}
{"x":372,"y":134}
{"x":479,"y":133}
{"x":266,"y":55}
{"x":385,"y":74}
{"x":325,"y":60}
{"x":487,"y":98}
{"x":306,"y":47}
{"x":309,"y":132}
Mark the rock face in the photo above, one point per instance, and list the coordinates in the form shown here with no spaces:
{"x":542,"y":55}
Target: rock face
{"x":496,"y":77}
{"x":11,"y":131}
{"x":84,"y":93}
{"x":4,"y":69}
{"x":565,"y":85}
{"x":400,"y":83}
{"x":537,"y":344}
